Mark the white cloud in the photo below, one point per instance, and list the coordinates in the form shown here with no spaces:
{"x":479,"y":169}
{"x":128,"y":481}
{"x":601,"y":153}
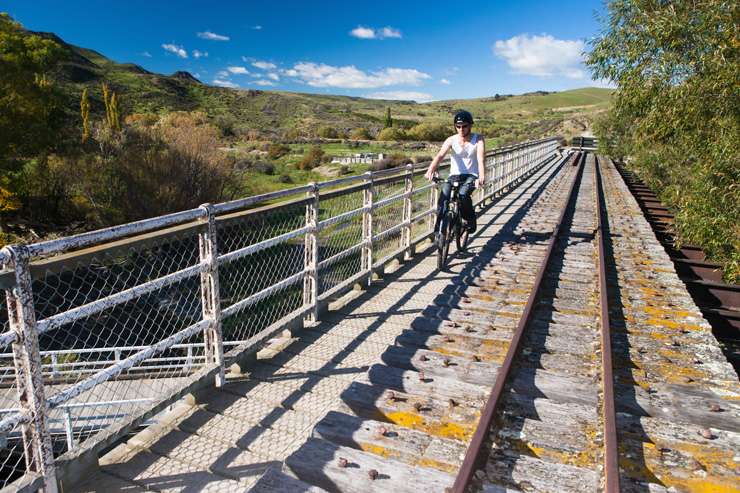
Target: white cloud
{"x":213,"y":36}
{"x":542,"y":56}
{"x":322,"y":75}
{"x":199,"y":54}
{"x":146,"y":54}
{"x":264,"y":65}
{"x":389,"y":32}
{"x":263,"y":82}
{"x":257,"y":27}
{"x":444,"y":81}
{"x":420,"y":97}
{"x":362,"y":32}
{"x":238,"y":70}
{"x":273,"y":76}
{"x":177,"y":50}
{"x":222,"y":73}
{"x":225,"y":83}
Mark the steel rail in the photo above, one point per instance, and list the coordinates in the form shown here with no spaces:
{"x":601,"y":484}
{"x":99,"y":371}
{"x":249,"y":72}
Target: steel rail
{"x":611,"y":446}
{"x":473,"y":453}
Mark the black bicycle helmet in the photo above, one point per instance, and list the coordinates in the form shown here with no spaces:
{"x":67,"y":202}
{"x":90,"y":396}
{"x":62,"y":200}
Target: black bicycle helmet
{"x":462,"y":116}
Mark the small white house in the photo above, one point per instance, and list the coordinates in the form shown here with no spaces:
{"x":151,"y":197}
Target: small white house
{"x":359,"y":158}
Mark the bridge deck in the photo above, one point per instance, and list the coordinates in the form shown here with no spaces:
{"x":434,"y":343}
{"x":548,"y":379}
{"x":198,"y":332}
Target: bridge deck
{"x":255,"y":421}
{"x":400,"y":352}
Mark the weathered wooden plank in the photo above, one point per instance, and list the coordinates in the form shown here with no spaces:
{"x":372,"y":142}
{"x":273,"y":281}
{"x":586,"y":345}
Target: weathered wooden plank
{"x":434,"y":364}
{"x":456,"y":420}
{"x":391,"y":441}
{"x":274,"y":481}
{"x":422,"y":384}
{"x":320,"y":462}
{"x":535,"y":475}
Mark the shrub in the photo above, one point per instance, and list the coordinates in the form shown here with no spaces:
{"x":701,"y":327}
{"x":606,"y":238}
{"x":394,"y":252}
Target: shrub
{"x":359,"y":133}
{"x":276,"y":151}
{"x":429,"y":131}
{"x":392,"y":161}
{"x":327,"y":132}
{"x":285,"y":179}
{"x":264,"y":168}
{"x":391,"y":133}
{"x":312,"y":158}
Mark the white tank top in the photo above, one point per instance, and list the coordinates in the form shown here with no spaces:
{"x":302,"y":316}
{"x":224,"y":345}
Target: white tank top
{"x":464,"y":159}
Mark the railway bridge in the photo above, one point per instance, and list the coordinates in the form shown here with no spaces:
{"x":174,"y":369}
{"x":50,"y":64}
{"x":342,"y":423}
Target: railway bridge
{"x":305,"y":341}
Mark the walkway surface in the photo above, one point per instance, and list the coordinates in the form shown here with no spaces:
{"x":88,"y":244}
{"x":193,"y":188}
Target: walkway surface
{"x":228,"y":438}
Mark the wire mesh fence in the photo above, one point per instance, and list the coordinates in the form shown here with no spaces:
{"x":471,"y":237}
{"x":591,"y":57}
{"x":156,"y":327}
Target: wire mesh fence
{"x":100,"y":329}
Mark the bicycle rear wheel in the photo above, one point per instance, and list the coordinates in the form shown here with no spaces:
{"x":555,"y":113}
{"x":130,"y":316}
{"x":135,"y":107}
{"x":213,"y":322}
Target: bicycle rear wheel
{"x":462,"y":235}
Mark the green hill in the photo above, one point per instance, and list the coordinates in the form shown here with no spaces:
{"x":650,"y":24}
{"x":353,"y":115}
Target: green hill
{"x":142,"y":91}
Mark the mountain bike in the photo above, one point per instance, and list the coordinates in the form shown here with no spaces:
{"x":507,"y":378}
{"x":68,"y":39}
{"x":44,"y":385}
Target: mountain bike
{"x":451,"y":225}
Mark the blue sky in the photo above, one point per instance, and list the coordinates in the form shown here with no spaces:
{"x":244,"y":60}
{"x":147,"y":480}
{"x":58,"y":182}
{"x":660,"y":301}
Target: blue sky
{"x":422,"y":50}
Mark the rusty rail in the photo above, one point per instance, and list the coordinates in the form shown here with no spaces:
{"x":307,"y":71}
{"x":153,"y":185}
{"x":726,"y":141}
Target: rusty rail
{"x":473,"y":455}
{"x":611,"y":449}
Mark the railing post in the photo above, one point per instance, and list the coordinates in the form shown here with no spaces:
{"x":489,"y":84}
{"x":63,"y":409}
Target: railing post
{"x":29,"y":379}
{"x":210,"y":298}
{"x":311,"y":256}
{"x":68,"y":431}
{"x":367,"y":226}
{"x":408,"y":210}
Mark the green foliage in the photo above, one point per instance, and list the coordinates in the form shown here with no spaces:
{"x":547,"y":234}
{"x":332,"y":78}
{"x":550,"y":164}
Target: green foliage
{"x":311,"y":159}
{"x":360,"y":133}
{"x":327,"y":132}
{"x":112,"y":115}
{"x":276,"y":151}
{"x":30,"y":109}
{"x":388,"y":123}
{"x":85,"y":114}
{"x":393,"y":161}
{"x":429,"y":131}
{"x":392,"y":133}
{"x":676,"y":114}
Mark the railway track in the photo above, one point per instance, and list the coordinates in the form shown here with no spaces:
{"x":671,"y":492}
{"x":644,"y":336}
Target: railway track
{"x":495,"y":376}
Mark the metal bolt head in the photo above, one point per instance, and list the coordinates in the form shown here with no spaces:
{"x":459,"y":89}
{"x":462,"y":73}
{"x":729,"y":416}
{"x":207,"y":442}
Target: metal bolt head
{"x":421,"y":376}
{"x":476,"y":358}
{"x":342,"y":462}
{"x":417,"y":406}
{"x":372,"y":474}
{"x":382,"y":431}
{"x":466,"y":300}
{"x":707,"y":433}
{"x":446,"y":362}
{"x":452,"y":403}
{"x":715,"y":408}
{"x":469,"y":329}
{"x":423,"y":357}
{"x":449,"y":339}
{"x":391,"y":396}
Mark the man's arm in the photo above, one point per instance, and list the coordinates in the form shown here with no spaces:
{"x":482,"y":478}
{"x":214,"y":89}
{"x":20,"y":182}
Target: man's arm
{"x":481,"y":153}
{"x":435,"y":162}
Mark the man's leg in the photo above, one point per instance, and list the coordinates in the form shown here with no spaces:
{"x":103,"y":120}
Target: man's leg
{"x":467,"y":211}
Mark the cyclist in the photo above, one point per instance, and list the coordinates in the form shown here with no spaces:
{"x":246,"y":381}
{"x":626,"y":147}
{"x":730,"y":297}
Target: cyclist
{"x":467,"y":165}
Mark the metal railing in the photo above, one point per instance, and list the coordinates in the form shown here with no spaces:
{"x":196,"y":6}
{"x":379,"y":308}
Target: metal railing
{"x":136,"y":316}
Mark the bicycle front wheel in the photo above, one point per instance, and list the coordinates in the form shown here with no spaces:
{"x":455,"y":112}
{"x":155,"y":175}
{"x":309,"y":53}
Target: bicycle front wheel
{"x":443,"y":243}
{"x":462,"y":235}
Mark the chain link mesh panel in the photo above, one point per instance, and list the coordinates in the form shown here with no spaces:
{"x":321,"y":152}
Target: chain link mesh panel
{"x":248,"y":275}
{"x":77,"y":350}
{"x":339,"y":237}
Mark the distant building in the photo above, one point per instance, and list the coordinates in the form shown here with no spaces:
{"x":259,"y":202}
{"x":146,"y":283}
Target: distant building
{"x":359,"y":158}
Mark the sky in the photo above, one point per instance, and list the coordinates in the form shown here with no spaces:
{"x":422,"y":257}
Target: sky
{"x":420,"y":50}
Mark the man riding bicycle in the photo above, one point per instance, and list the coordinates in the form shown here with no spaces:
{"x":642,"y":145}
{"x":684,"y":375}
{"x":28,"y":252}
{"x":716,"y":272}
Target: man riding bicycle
{"x":467,"y":166}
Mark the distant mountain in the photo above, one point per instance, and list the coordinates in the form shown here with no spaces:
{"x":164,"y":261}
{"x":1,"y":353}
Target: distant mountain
{"x":141,"y":91}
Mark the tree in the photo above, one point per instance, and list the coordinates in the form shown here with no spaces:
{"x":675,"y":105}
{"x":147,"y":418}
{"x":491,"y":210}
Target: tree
{"x":676,"y":112}
{"x":30,"y":114}
{"x":112,"y":115}
{"x":312,"y":158}
{"x":359,"y":133}
{"x":85,"y":114}
{"x":388,"y":119}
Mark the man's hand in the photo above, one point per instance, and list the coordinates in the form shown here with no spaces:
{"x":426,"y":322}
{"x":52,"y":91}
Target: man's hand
{"x":480,"y":181}
{"x":429,"y":175}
